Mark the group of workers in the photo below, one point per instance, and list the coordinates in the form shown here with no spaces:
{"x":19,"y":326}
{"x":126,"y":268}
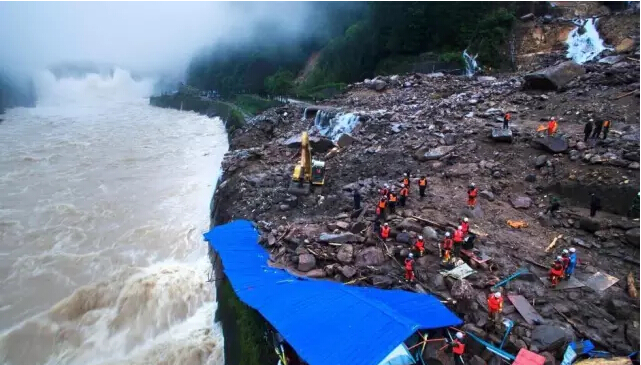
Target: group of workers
{"x":593,"y":130}
{"x":563,"y":266}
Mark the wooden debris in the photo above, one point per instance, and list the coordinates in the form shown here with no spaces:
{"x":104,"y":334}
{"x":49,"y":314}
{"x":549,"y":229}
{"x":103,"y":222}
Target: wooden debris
{"x":632,"y":290}
{"x":624,"y":95}
{"x":547,"y":249}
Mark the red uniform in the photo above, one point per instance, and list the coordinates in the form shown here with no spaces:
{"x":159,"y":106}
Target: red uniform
{"x":409,"y":269}
{"x":406,"y":182}
{"x":552,"y":125}
{"x":446,"y":247}
{"x":458,"y":236}
{"x":565,"y":260}
{"x":466,"y":228}
{"x":420,"y":246}
{"x":458,"y":348}
{"x":556,"y":272}
{"x":494,"y":304}
{"x":471,"y":197}
{"x":385,"y":232}
{"x":385,"y":192}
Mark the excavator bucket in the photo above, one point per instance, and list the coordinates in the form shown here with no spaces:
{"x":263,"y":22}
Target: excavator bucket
{"x":296,"y":189}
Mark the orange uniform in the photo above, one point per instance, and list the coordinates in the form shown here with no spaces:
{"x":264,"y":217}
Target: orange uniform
{"x":471,"y":197}
{"x":420,"y":246}
{"x":494,"y":304}
{"x":552,"y":126}
{"x":385,"y":232}
{"x":466,"y":228}
{"x":556,"y":272}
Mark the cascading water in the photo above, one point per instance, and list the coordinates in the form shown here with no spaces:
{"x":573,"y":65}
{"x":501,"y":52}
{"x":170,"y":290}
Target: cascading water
{"x":584,"y":42}
{"x":333,"y":125}
{"x":470,"y":63}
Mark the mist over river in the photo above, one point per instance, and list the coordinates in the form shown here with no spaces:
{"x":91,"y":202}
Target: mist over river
{"x":103,"y":202}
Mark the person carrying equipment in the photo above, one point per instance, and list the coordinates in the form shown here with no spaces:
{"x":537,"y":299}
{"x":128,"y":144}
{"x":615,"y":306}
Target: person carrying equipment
{"x":422,"y":185}
{"x":409,"y":268}
{"x":506,"y":120}
{"x":495,"y":307}
{"x":556,"y":271}
{"x":385,"y":230}
{"x":403,"y":196}
{"x":458,"y":241}
{"x":445,"y":247}
{"x":392,"y":202}
{"x":472,"y":193}
{"x":465,"y":226}
{"x":420,"y":245}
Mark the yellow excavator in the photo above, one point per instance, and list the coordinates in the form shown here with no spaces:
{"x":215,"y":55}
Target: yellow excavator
{"x":308,"y":172}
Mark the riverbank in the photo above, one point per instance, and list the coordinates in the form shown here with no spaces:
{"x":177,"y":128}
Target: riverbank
{"x":439,"y":126}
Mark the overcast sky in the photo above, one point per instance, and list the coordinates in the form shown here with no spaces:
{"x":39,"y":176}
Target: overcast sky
{"x":142,"y":36}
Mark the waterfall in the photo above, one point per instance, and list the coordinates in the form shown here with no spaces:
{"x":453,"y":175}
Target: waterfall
{"x":333,"y":125}
{"x":304,"y":114}
{"x":470,"y":63}
{"x":584,"y":42}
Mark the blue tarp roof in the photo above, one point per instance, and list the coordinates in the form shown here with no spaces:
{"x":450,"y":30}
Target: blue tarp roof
{"x":326,"y":322}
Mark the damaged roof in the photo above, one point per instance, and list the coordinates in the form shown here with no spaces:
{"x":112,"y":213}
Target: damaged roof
{"x":326,"y":322}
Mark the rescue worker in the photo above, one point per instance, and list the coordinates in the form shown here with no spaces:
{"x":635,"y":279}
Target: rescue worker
{"x":403,"y":195}
{"x":446,"y":247}
{"x":357,"y":199}
{"x":406,"y":181}
{"x":385,"y":191}
{"x":556,"y":271}
{"x":495,"y":307}
{"x":606,"y":128}
{"x":458,"y":348}
{"x":385,"y":230}
{"x":506,"y":120}
{"x":597,"y":130}
{"x":382,"y":204}
{"x":472,"y":193}
{"x":595,"y":204}
{"x":565,"y":260}
{"x":552,"y":126}
{"x":465,"y":226}
{"x":420,"y":245}
{"x":554,"y":205}
{"x":572,"y":264}
{"x":458,"y":241}
{"x":422,"y":185}
{"x":587,"y":130}
{"x":392,"y":202}
{"x":409,"y":268}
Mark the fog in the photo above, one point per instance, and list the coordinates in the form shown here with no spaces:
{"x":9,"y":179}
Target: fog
{"x":145,"y":37}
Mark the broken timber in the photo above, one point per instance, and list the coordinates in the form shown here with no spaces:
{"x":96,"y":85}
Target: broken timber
{"x":528,"y":312}
{"x":547,"y":249}
{"x":632,"y":290}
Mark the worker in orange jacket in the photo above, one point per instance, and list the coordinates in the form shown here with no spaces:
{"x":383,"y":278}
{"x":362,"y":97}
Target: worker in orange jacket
{"x":606,"y":129}
{"x":422,"y":185}
{"x":465,"y":226}
{"x":406,"y":180}
{"x":403,"y":195}
{"x":495,"y":307}
{"x":458,"y":241}
{"x":420,"y":245}
{"x":506,"y":120}
{"x":392,"y":201}
{"x":556,"y":271}
{"x":458,"y":348}
{"x":446,"y":247}
{"x":472,"y":193}
{"x":382,"y":205}
{"x":409,"y":268}
{"x":385,"y":231}
{"x":552,"y":126}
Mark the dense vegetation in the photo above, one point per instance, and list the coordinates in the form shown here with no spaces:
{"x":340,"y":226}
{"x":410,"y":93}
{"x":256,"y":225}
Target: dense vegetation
{"x":352,"y":43}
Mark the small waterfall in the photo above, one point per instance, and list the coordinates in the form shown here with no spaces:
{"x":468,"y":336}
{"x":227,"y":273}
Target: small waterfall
{"x":470,"y":63}
{"x":584,"y":42}
{"x":332,"y":126}
{"x":304,"y":114}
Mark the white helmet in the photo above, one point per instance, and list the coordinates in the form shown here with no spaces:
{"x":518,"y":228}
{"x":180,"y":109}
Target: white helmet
{"x":559,"y":258}
{"x":472,"y":184}
{"x":591,"y":120}
{"x":465,"y":219}
{"x":460,"y":227}
{"x":405,"y":174}
{"x":447,"y":234}
{"x":420,"y":237}
{"x":572,"y":249}
{"x":497,"y":294}
{"x":459,"y":335}
{"x":387,"y":185}
{"x":386,"y":224}
{"x":565,"y":251}
{"x":410,"y":255}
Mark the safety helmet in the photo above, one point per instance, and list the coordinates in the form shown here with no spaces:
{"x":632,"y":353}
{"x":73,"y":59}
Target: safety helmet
{"x":447,"y":234}
{"x":420,"y":237}
{"x":472,"y":184}
{"x":459,"y":335}
{"x":405,"y":174}
{"x":460,"y":227}
{"x":572,"y":249}
{"x":497,"y":294}
{"x":465,"y":219}
{"x":565,"y":251}
{"x":591,"y":120}
{"x":386,"y":224}
{"x":559,"y":258}
{"x":387,"y":185}
{"x":410,"y":255}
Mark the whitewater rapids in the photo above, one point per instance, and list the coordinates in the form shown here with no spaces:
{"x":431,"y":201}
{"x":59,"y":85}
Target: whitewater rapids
{"x":104,"y":202}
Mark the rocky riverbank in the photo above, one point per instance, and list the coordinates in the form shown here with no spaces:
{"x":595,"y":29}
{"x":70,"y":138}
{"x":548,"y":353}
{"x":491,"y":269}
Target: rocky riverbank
{"x":441,"y":126}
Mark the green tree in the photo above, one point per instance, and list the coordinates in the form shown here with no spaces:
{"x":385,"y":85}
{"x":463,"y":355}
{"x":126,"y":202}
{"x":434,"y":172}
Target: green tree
{"x":280,"y":83}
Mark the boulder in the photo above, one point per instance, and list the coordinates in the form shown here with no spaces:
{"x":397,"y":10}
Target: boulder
{"x":461,"y":170}
{"x":551,"y":144}
{"x":530,"y":178}
{"x":403,"y":237}
{"x":409,"y":224}
{"x":540,"y":161}
{"x":502,"y":135}
{"x":488,"y":195}
{"x":347,"y":271}
{"x":450,"y":139}
{"x":316,"y":274}
{"x":632,"y":333}
{"x":462,"y":290}
{"x":437,"y":281}
{"x":319,"y":144}
{"x":345,"y":253}
{"x":625,"y":45}
{"x":377,"y":84}
{"x":382,"y":281}
{"x":589,"y":224}
{"x":620,"y":309}
{"x":433,"y":154}
{"x":306,"y":262}
{"x":340,"y":237}
{"x":429,"y":232}
{"x":550,"y":337}
{"x":345,"y":140}
{"x":581,"y":146}
{"x":370,"y":256}
{"x":521,"y":202}
{"x":632,"y":236}
{"x":554,"y":77}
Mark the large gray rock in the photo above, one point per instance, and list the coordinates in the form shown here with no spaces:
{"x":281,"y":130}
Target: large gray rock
{"x":461,"y":170}
{"x":409,"y":224}
{"x":433,"y":154}
{"x":462,"y":290}
{"x":319,"y":144}
{"x":403,"y":237}
{"x":540,"y":161}
{"x":502,"y":135}
{"x":347,"y":271}
{"x":521,"y":202}
{"x":345,"y":253}
{"x":429,"y":232}
{"x":340,"y":237}
{"x":486,"y":194}
{"x":449,"y":139}
{"x":345,"y":140}
{"x":306,"y":262}
{"x":551,"y":144}
{"x":589,"y":224}
{"x":632,"y":236}
{"x":370,"y":256}
{"x":382,"y":281}
{"x":550,"y":337}
{"x":554,"y":77}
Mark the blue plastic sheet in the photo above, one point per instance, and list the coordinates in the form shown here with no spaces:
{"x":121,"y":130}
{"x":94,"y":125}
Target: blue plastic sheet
{"x":327,"y":323}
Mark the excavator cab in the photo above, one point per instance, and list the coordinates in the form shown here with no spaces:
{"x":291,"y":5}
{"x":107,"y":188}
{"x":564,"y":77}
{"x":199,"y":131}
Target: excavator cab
{"x":307,"y":172}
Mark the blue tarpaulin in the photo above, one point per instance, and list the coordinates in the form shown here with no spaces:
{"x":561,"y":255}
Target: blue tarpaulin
{"x":326,"y":322}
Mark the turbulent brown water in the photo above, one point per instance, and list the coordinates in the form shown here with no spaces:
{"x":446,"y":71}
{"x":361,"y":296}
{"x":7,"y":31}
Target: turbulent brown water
{"x":103,"y":202}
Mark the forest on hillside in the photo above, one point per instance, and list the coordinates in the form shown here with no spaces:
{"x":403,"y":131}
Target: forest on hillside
{"x":352,"y":42}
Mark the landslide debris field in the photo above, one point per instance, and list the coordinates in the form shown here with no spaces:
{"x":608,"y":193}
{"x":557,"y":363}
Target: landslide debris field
{"x":440,"y":126}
